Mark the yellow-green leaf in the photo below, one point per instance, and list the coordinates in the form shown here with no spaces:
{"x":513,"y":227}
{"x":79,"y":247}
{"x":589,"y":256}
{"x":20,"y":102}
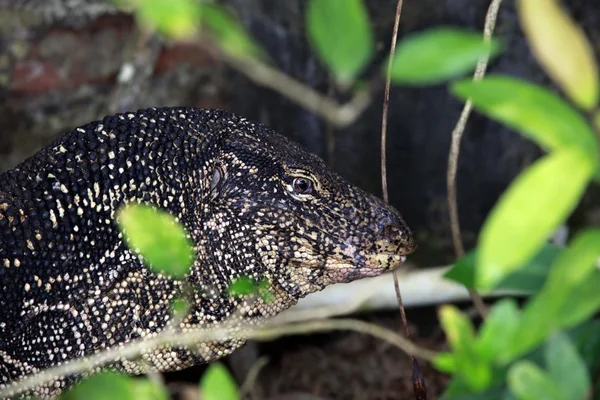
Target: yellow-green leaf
{"x":536,"y":203}
{"x":159,"y":238}
{"x":177,"y":19}
{"x":530,"y":109}
{"x":439,"y":54}
{"x":475,"y":371}
{"x":562,"y":49}
{"x":340,"y":33}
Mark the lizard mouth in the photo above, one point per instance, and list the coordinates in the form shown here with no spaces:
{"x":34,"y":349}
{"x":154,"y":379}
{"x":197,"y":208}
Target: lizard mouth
{"x":364,"y":266}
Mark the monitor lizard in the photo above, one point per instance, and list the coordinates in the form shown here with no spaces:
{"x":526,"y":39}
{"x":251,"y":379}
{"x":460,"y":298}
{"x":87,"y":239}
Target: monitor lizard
{"x":253,"y":203}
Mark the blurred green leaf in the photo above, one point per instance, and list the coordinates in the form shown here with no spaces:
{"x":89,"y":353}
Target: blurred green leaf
{"x":535,"y":204}
{"x":161,"y":240}
{"x":180,"y":306}
{"x":528,"y":382}
{"x":458,"y":390}
{"x":218,"y":384}
{"x":145,"y":389}
{"x":586,"y":338}
{"x":581,"y":303}
{"x":475,"y":372}
{"x":340,"y":33}
{"x":566,"y":367}
{"x":103,"y":386}
{"x":177,"y":19}
{"x":549,"y":310}
{"x":437,"y":55}
{"x":562,"y":48}
{"x":576,"y":263}
{"x":532,"y":110}
{"x":231,"y":35}
{"x":529,"y":278}
{"x":458,"y":328}
{"x":242,"y":286}
{"x":265,"y":292}
{"x":446,"y":362}
{"x":245,"y":285}
{"x":498,"y":330}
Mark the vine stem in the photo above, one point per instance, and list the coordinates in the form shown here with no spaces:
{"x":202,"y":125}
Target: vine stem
{"x":193,"y":338}
{"x":457,"y":133}
{"x":418,"y":381}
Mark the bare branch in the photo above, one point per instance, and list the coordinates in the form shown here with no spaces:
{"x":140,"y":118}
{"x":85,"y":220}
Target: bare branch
{"x":457,"y":133}
{"x":338,"y":115}
{"x":170,"y":337}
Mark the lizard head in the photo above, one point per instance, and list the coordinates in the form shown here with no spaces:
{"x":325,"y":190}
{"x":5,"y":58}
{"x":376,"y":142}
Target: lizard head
{"x":291,"y":219}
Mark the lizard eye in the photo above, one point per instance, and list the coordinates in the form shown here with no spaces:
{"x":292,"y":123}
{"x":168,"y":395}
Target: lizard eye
{"x":302,"y":185}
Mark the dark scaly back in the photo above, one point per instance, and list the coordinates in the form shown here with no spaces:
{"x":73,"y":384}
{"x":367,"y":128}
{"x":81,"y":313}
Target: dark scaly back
{"x":70,"y":287}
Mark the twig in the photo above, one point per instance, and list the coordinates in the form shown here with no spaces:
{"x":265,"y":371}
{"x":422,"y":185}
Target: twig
{"x":338,"y":115}
{"x":418,"y":382}
{"x":170,"y":337}
{"x":252,"y":375}
{"x":457,"y":133}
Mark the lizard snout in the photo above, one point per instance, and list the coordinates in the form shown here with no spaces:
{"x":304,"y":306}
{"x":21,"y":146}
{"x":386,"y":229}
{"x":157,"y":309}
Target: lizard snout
{"x":396,"y":237}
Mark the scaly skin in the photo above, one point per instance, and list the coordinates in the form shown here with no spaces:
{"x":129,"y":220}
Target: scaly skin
{"x":254,"y":204}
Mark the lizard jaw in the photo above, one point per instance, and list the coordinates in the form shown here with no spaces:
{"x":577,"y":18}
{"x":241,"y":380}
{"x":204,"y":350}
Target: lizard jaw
{"x":364,"y":266}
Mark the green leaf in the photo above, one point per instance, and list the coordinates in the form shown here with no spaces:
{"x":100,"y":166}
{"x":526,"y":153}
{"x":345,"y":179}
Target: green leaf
{"x":180,"y":306}
{"x":581,"y":303}
{"x":446,"y":362}
{"x":340,"y":33}
{"x":231,"y":35}
{"x":586,"y":338}
{"x":458,"y":328}
{"x":562,"y":49}
{"x":458,"y":390}
{"x":528,"y":382}
{"x":242,"y":286}
{"x":265,"y":292}
{"x":475,"y":372}
{"x":438,"y":55}
{"x":178,"y":19}
{"x":576,"y":263}
{"x":218,"y":384}
{"x":161,"y":240}
{"x":532,"y":110}
{"x":536,"y":203}
{"x":498,"y":330}
{"x":566,"y":367}
{"x":245,"y":285}
{"x":106,"y":385}
{"x":556,"y":305}
{"x":527,"y":279}
{"x":145,"y":389}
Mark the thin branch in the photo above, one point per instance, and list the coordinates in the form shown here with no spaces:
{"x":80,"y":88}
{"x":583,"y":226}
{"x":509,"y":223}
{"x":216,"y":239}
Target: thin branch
{"x":252,"y":375}
{"x":418,"y":382}
{"x":170,"y":337}
{"x":457,"y":133}
{"x":338,"y":115}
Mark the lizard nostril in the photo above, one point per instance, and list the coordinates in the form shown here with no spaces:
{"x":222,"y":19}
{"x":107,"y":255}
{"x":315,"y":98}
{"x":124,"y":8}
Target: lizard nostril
{"x":391,"y":231}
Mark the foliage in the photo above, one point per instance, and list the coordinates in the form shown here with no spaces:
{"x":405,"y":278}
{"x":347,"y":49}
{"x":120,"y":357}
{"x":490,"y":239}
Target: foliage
{"x":218,"y":384}
{"x":545,"y":348}
{"x":155,"y":234}
{"x":533,"y":352}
